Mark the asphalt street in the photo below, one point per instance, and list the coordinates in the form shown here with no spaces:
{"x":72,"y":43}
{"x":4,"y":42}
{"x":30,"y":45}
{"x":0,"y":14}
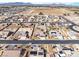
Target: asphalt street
{"x":39,"y":42}
{"x":71,"y":26}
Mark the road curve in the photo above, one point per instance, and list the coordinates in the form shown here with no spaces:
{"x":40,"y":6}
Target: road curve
{"x":71,"y":27}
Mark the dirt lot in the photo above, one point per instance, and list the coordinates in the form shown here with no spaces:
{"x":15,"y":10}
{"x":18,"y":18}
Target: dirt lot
{"x":50,"y":11}
{"x":46,"y":11}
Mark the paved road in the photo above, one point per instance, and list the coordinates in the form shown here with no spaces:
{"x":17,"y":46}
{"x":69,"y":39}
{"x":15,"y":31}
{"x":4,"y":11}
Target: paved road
{"x":69,"y":21}
{"x":71,"y":26}
{"x":39,"y":42}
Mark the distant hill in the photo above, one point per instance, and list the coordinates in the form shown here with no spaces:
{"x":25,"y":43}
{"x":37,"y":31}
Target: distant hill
{"x":16,"y":3}
{"x":28,"y":3}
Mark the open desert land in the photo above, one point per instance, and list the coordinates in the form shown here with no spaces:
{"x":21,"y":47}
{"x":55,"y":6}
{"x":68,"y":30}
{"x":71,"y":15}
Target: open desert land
{"x":75,"y":15}
{"x":47,"y":11}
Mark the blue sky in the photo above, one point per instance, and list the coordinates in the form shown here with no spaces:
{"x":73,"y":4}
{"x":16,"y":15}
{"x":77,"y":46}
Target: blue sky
{"x":40,"y":1}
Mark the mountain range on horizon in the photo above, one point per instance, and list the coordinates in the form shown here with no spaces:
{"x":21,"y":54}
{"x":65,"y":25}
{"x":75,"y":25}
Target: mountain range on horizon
{"x":29,"y":3}
{"x":16,"y":3}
